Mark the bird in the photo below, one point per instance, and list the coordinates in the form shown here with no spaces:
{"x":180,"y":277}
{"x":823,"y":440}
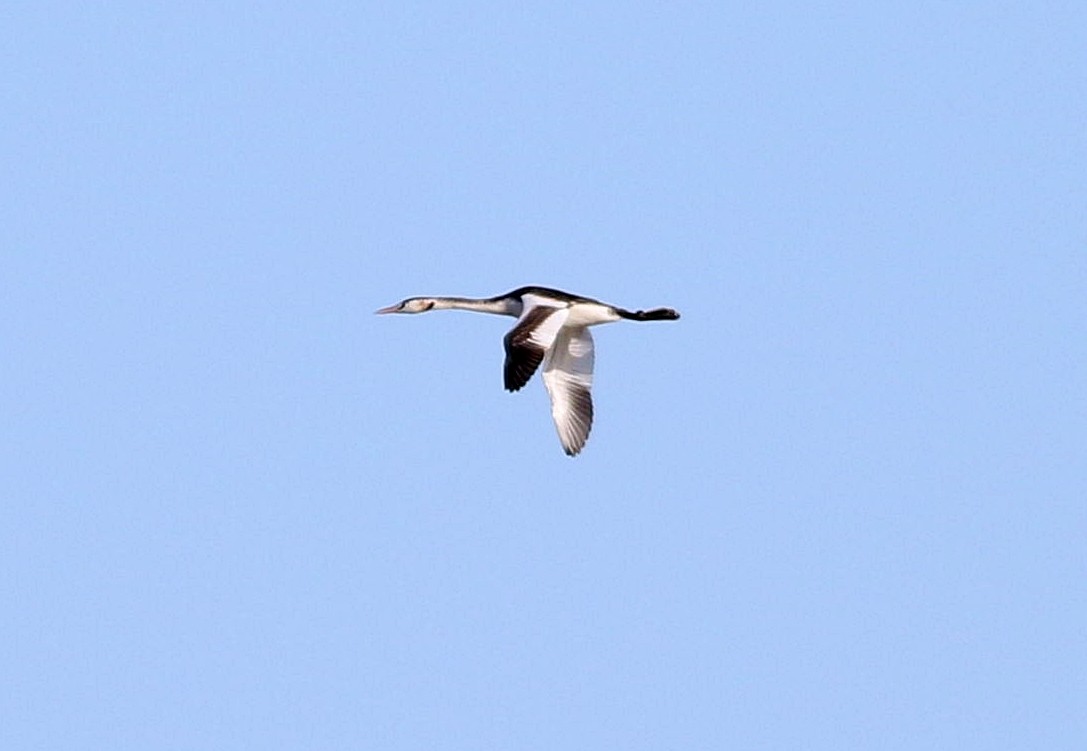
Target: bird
{"x":552,"y":330}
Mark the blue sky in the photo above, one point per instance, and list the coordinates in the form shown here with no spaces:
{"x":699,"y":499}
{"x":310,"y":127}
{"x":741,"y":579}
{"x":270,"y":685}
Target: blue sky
{"x":840,"y":504}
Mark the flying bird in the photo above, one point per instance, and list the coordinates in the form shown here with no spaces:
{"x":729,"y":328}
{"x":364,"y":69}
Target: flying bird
{"x":552,"y":329}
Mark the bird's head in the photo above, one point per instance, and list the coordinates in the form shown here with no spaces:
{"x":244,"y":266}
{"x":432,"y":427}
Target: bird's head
{"x":411,"y":305}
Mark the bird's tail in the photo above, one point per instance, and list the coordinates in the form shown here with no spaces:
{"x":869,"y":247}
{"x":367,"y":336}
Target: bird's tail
{"x":657,"y":314}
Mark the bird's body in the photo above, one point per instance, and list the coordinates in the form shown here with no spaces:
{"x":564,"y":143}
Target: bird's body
{"x":552,"y":330}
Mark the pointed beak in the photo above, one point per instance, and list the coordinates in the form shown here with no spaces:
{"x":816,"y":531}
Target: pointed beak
{"x":390,"y":309}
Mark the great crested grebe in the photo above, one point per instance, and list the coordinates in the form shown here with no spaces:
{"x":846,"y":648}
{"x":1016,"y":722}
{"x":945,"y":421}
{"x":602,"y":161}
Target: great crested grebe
{"x":553,"y":329}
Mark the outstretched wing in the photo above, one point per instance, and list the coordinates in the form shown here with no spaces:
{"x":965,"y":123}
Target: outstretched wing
{"x":528,"y":342}
{"x":568,"y":375}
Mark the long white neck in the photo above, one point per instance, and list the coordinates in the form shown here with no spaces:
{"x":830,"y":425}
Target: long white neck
{"x":499,"y":306}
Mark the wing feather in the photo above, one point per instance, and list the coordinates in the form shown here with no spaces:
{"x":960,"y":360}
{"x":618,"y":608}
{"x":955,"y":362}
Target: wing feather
{"x":528,"y":342}
{"x":568,"y":375}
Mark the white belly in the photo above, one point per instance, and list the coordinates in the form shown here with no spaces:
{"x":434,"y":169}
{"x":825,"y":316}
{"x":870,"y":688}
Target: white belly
{"x":590,"y":314}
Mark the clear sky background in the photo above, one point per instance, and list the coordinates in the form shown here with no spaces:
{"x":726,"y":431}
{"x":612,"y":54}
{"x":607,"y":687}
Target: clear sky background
{"x":839,"y":505}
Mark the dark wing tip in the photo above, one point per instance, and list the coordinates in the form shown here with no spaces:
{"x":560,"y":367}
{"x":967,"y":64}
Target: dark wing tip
{"x":521,"y":363}
{"x":523,"y":356}
{"x":581,"y":423}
